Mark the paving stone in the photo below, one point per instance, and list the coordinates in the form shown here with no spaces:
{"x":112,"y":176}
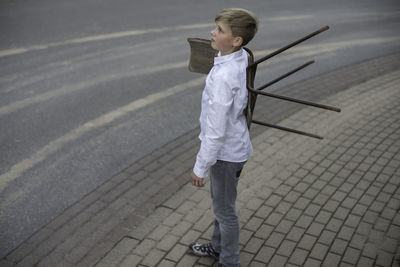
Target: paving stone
{"x":359,"y":209}
{"x":54,"y":259}
{"x":315,"y":229}
{"x":257,"y":264}
{"x":302,"y":203}
{"x":331,"y":260}
{"x":351,"y":256}
{"x":307,"y":242}
{"x":274,"y":200}
{"x":312,"y":209}
{"x":177,"y":252}
{"x":253,"y":224}
{"x":168,"y":242}
{"x":207,"y":261}
{"x":278,"y":260}
{"x":319,"y":251}
{"x":153,"y":258}
{"x":245,"y":236}
{"x":339,"y":246}
{"x":304,"y":221}
{"x":245,"y":258}
{"x":186,"y":207}
{"x":181,"y":228}
{"x":265,"y":254}
{"x":301,"y":187}
{"x":187,"y":260}
{"x":346,"y":233}
{"x":293,"y":214}
{"x":349,"y":203}
{"x":358,"y":241}
{"x":6,"y":263}
{"x":204,"y":220}
{"x":299,"y":256}
{"x":370,"y":250}
{"x":173,"y":219}
{"x":190,"y":237}
{"x":151,"y":222}
{"x":326,"y":237}
{"x":121,"y":250}
{"x":263,"y":232}
{"x":310,"y":262}
{"x":286,"y":248}
{"x":284,"y":226}
{"x":292,"y":197}
{"x":254,"y":245}
{"x":166,"y":263}
{"x":334,"y":225}
{"x":30,"y":260}
{"x":384,"y":259}
{"x":283,"y":207}
{"x":274,"y":240}
{"x":367,"y":262}
{"x":344,"y":264}
{"x":144,"y":247}
{"x":295,"y":234}
{"x":390,"y":245}
{"x":159,"y":232}
{"x":245,"y":215}
{"x":311,"y":193}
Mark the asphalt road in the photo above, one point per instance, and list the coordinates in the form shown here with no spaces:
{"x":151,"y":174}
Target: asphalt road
{"x":89,"y":87}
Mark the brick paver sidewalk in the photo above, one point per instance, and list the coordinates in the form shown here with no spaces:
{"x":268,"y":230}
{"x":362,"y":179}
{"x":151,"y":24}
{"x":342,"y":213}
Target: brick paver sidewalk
{"x":301,"y":201}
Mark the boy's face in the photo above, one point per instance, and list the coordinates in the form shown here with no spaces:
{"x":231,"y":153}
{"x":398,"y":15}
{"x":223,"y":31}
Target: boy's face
{"x":223,"y":40}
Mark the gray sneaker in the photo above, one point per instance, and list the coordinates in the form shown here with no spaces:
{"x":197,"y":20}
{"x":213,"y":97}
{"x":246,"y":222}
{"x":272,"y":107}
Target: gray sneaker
{"x":203,"y":250}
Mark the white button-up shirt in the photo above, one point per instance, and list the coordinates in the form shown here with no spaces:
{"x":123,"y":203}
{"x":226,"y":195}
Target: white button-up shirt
{"x":224,"y":134}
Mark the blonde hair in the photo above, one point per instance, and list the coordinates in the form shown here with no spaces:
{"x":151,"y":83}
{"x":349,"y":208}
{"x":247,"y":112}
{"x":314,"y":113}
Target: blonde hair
{"x":242,"y":22}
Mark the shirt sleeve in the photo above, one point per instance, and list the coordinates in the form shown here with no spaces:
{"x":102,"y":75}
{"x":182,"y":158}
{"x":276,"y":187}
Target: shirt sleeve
{"x":220,"y":104}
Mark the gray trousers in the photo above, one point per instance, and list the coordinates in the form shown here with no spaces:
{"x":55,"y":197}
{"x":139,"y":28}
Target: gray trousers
{"x":224,"y":177}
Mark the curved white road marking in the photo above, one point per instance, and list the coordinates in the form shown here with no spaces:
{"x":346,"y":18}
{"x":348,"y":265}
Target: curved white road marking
{"x":102,"y":37}
{"x":19,"y":168}
{"x":17,"y":105}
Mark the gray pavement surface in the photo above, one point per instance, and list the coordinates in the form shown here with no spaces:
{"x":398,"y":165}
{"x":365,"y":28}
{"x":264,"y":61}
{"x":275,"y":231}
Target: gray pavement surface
{"x":88,"y":87}
{"x":302,"y":202}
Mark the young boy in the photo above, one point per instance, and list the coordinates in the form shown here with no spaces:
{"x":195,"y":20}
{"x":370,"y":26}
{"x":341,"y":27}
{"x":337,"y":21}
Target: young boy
{"x":225,"y":142}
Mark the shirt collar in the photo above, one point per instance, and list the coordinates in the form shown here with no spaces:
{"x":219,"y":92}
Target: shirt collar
{"x":222,"y":59}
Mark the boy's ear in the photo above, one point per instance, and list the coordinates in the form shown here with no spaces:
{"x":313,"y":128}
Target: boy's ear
{"x":237,"y":41}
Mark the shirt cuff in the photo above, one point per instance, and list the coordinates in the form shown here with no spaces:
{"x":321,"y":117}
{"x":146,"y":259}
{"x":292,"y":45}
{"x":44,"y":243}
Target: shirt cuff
{"x":199,"y":172}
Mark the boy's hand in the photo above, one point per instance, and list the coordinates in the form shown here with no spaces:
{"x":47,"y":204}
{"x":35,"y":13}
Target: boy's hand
{"x":196,"y":181}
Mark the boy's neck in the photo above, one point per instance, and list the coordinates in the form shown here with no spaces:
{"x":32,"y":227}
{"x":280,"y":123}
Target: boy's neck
{"x":235,"y":49}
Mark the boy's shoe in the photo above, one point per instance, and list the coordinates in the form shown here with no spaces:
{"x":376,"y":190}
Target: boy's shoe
{"x":203,"y":250}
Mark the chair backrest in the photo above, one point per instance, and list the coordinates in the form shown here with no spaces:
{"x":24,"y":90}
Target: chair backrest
{"x":252,"y":97}
{"x":201,"y":55}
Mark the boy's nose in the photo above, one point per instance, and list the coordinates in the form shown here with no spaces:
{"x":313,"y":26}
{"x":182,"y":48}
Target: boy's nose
{"x":213,"y":32}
